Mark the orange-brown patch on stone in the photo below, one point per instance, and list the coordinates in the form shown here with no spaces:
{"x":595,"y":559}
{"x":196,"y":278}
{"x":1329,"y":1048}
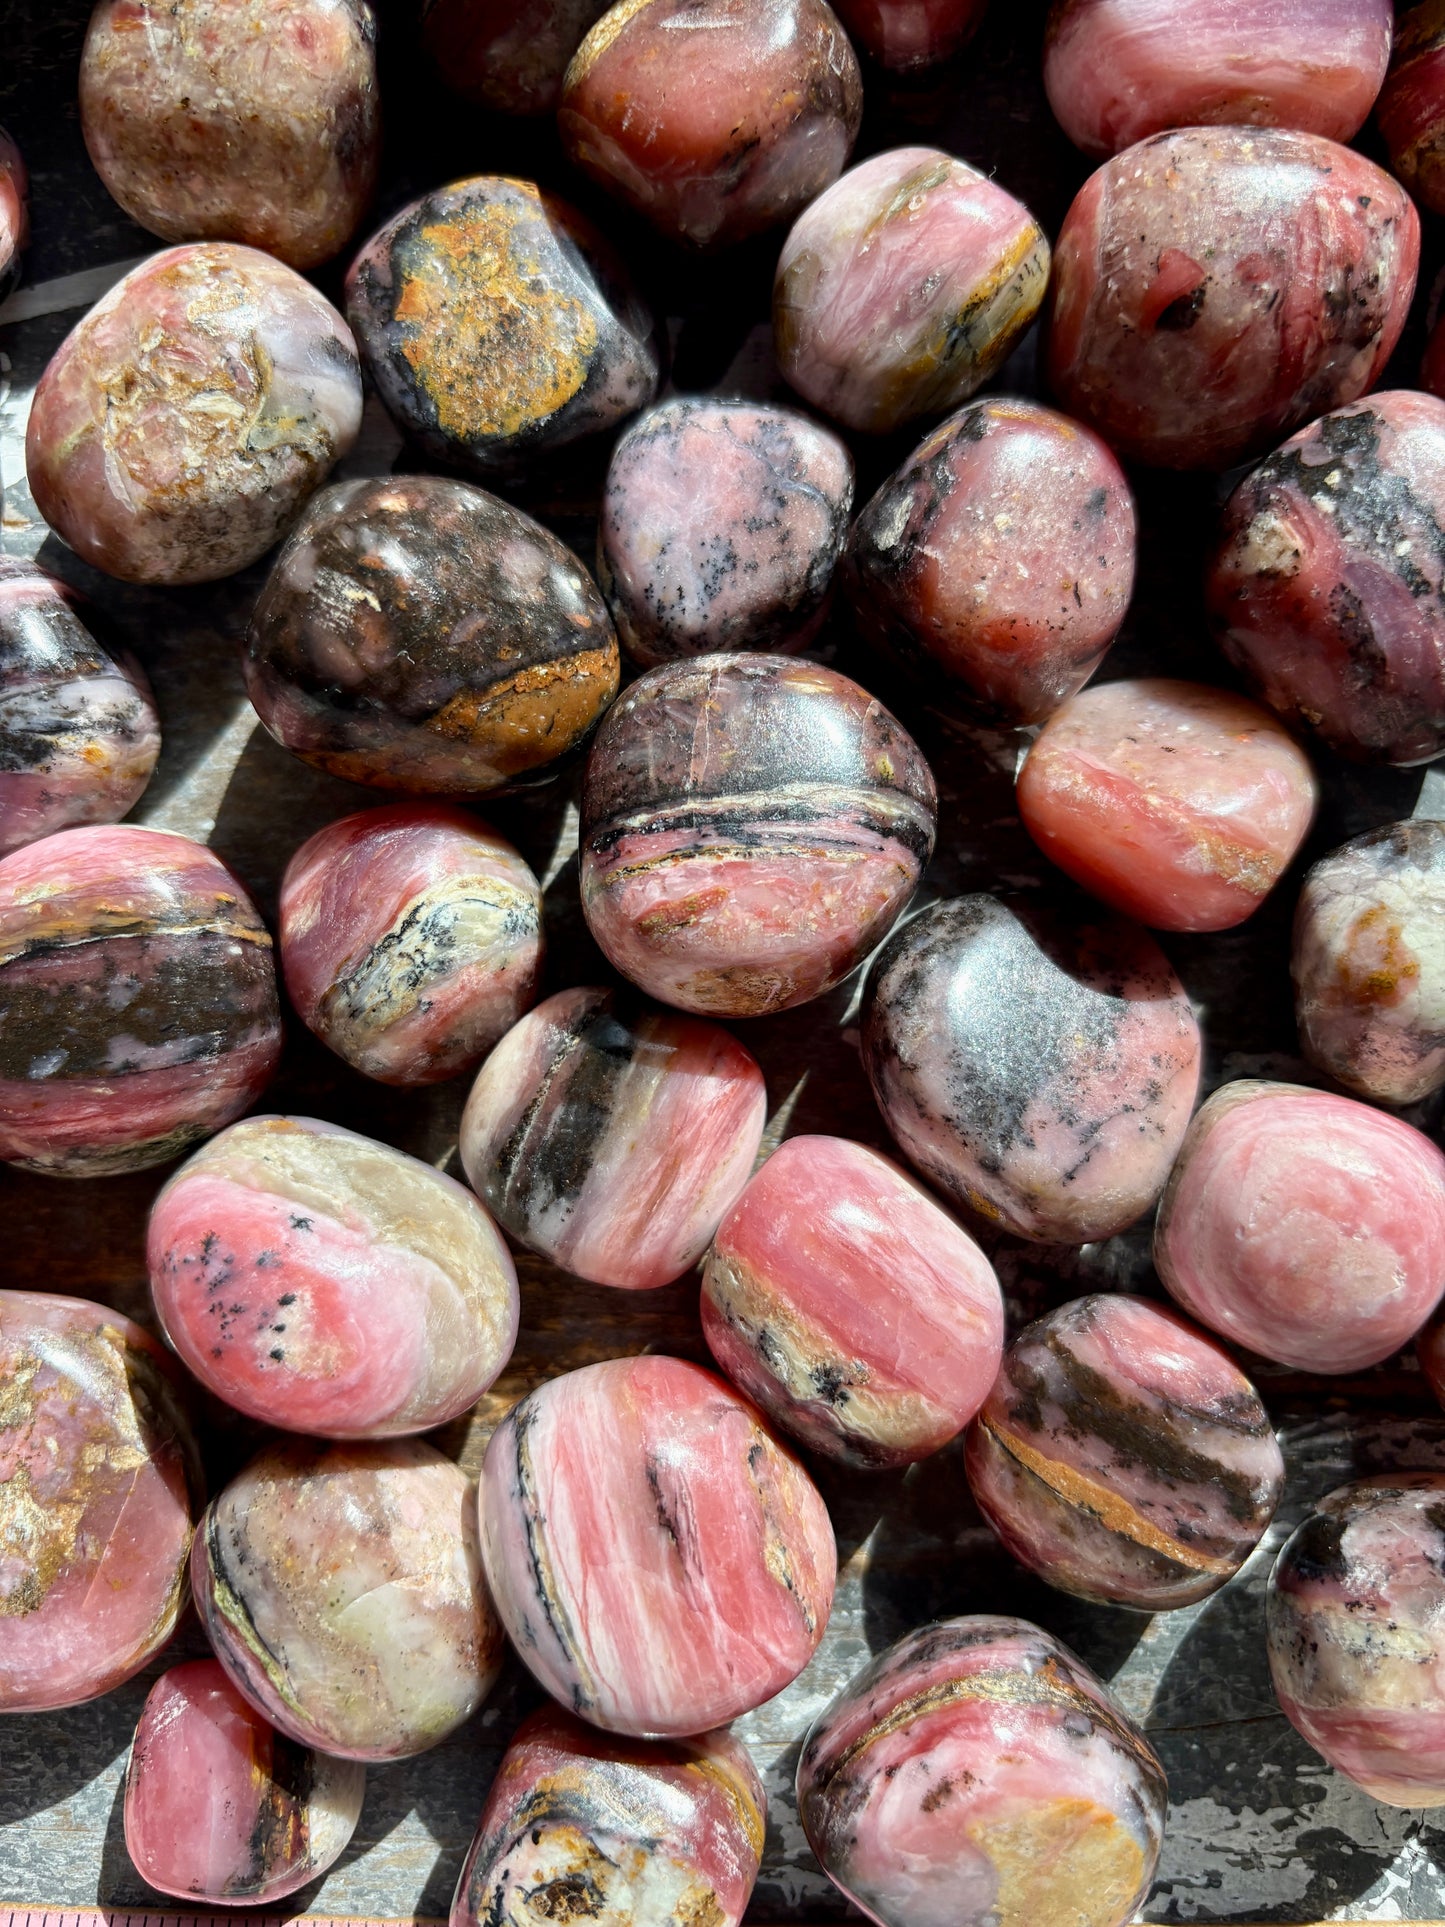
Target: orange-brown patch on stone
{"x":1377,"y":963}
{"x":536,"y":714}
{"x":1070,"y":1863}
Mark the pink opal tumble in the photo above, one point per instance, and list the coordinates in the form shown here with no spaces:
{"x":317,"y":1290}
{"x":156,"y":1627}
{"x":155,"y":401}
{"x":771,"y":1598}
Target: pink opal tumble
{"x":14,"y":212}
{"x":661,"y":1563}
{"x":1411,"y":114}
{"x":860,"y":1316}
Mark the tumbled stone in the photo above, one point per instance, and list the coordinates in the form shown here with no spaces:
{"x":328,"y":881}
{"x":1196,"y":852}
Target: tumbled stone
{"x":661,"y":1563}
{"x":611,"y":1139}
{"x":1123,"y":1457}
{"x":1411,"y":115}
{"x":219,"y":1806}
{"x":138,"y":1005}
{"x":713,"y":118}
{"x":509,"y":55}
{"x":1176,"y":803}
{"x":1303,"y":1226}
{"x":411,"y":939}
{"x":499,"y":326}
{"x":860,"y":1316}
{"x":751,"y":827}
{"x":327,"y":1284}
{"x":418,"y":634}
{"x":99,"y":1485}
{"x":904,"y":287}
{"x":1037,"y":1067}
{"x":905,"y":36}
{"x":977,"y":1774}
{"x":1215,"y":287}
{"x":1002,"y":553}
{"x":721,"y":526}
{"x":14,"y":212}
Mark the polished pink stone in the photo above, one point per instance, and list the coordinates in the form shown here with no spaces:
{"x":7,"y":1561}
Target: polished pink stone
{"x":860,"y":1316}
{"x":1178,"y":804}
{"x":219,"y":1806}
{"x":1117,"y":71}
{"x":321,"y":1282}
{"x":1304,"y":1226}
{"x":661,"y":1563}
{"x":14,"y":211}
{"x":1215,"y":287}
{"x":904,"y":287}
{"x":99,"y":1482}
{"x":906,"y":35}
{"x":1412,"y":105}
{"x":509,"y":55}
{"x":411,"y":939}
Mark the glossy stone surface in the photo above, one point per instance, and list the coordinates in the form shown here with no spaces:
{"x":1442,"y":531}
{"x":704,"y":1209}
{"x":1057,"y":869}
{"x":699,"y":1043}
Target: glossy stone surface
{"x":1176,"y":803}
{"x":611,"y":1138}
{"x":721,"y":526}
{"x":713,"y":118}
{"x":97,"y":1476}
{"x":1304,"y":1226}
{"x":1001,"y":553}
{"x":751,"y":827}
{"x":181,"y":425}
{"x":977,"y":1774}
{"x":340,"y":1588}
{"x":1328,"y":586}
{"x":660,"y":1562}
{"x":499,"y":326}
{"x":219,"y":1806}
{"x":1117,"y":71}
{"x":14,"y":212}
{"x":1412,"y":105}
{"x":418,"y":634}
{"x":324,"y":1283}
{"x":1369,"y":963}
{"x":509,"y":55}
{"x":907,"y":35}
{"x":582,"y":1825}
{"x":1215,"y":287}
{"x":1038,"y":1068}
{"x":1356,"y":1608}
{"x":1124,"y":1457}
{"x":79,"y":733}
{"x":904,"y":287}
{"x":861,"y":1317}
{"x":236,"y":120}
{"x":411,"y":939}
{"x":138,"y":1006}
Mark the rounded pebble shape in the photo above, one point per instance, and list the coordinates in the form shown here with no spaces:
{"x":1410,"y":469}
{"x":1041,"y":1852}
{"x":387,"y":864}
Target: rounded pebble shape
{"x":977,"y":1774}
{"x":904,"y":36}
{"x":1038,"y":1066}
{"x":99,"y":1487}
{"x":1303,"y":1226}
{"x":509,"y":55}
{"x":1124,"y":1457}
{"x":1117,"y":71}
{"x":79,"y":733}
{"x":1328,"y":586}
{"x":1176,"y":803}
{"x":327,"y":1284}
{"x":138,"y":1004}
{"x":1355,"y":1610}
{"x":904,"y":288}
{"x":751,"y":828}
{"x":612,"y":1138}
{"x":1001,"y":553}
{"x":660,"y":1562}
{"x":14,"y":212}
{"x":499,"y":326}
{"x":861,"y":1318}
{"x":721,"y":526}
{"x":219,"y":1806}
{"x":236,"y":120}
{"x":636,"y":1834}
{"x":340,"y":1587}
{"x":715,"y":119}
{"x":1216,"y":287}
{"x":1411,"y":114}
{"x":418,"y":634}
{"x":411,"y":939}
{"x":181,"y":425}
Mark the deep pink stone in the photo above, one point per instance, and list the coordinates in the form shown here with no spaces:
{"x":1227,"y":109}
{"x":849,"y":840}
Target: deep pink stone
{"x":99,"y":1485}
{"x":1215,"y":287}
{"x":1304,"y":1226}
{"x":219,"y":1806}
{"x":1178,"y":804}
{"x":661,"y":1563}
{"x":859,"y":1315}
{"x":1411,"y":114}
{"x":905,"y":35}
{"x":509,"y":55}
{"x":14,"y":212}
